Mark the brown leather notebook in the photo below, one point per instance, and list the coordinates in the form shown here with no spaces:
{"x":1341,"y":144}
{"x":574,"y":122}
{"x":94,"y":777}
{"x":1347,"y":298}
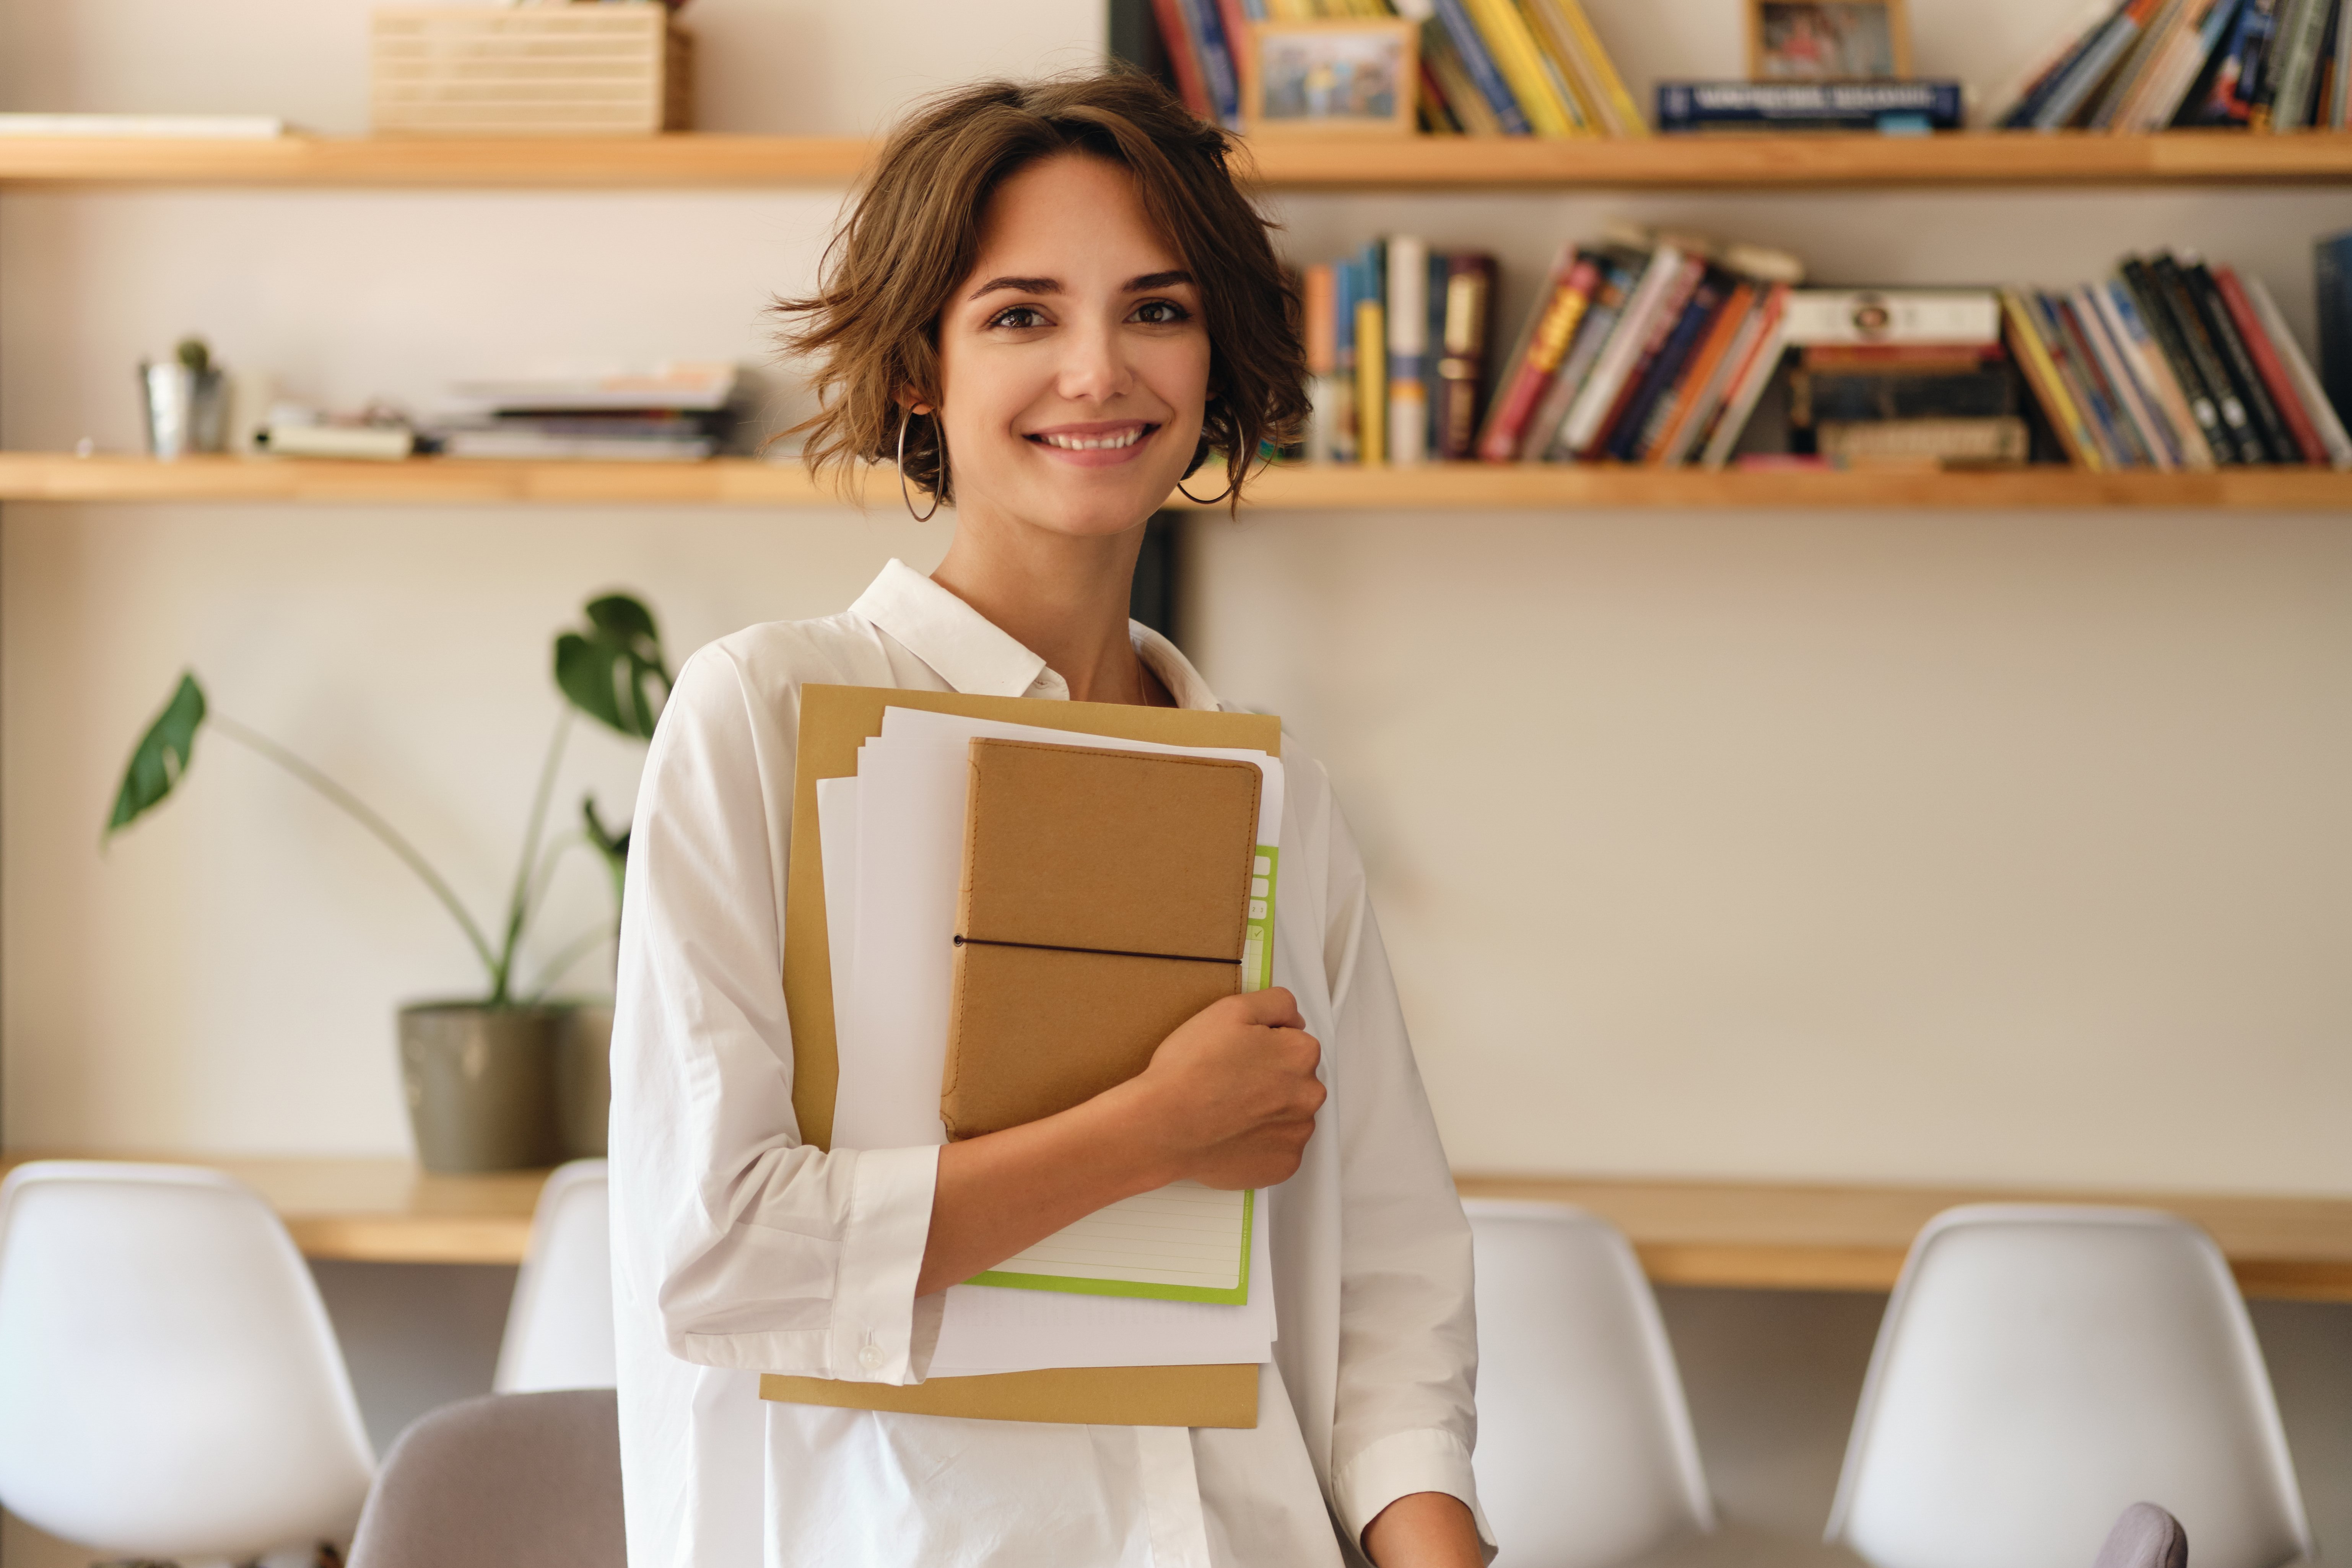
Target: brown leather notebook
{"x":1104,"y":901}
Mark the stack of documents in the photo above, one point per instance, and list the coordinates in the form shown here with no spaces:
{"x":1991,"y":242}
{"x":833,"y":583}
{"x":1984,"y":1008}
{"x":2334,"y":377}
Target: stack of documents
{"x":1161,"y":1279}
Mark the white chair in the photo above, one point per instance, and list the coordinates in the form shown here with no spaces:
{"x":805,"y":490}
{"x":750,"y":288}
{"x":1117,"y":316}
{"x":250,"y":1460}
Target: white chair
{"x":560,"y":1326}
{"x":1585,"y":1454}
{"x":2041,"y":1369}
{"x":173,"y":1388}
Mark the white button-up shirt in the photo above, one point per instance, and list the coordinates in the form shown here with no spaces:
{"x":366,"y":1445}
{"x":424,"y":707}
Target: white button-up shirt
{"x":739,"y":1249}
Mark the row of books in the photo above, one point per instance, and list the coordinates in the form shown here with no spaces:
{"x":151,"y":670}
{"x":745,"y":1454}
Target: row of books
{"x":1645,"y":348}
{"x":1396,"y":352}
{"x":1501,"y":67}
{"x":2146,"y":64}
{"x":2173,"y":364}
{"x":1521,"y":68}
{"x":676,"y":413}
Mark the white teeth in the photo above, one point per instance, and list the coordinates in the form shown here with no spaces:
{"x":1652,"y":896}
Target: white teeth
{"x":1094,"y":443}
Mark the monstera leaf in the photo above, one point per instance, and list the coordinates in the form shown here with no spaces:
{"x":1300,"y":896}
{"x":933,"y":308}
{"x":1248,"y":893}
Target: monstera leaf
{"x":160,"y":757}
{"x":612,"y":671}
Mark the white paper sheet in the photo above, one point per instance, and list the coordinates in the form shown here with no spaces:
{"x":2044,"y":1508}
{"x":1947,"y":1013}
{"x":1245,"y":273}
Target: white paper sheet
{"x":892,"y":841}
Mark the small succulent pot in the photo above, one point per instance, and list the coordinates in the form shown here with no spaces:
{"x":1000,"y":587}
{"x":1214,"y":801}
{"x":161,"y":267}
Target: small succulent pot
{"x":583,"y":1078}
{"x":188,"y":410}
{"x":480,"y":1085}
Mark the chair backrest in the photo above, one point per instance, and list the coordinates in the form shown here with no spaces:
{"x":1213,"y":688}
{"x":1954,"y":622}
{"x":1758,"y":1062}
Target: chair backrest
{"x":2145,"y":1537}
{"x":560,"y":1326}
{"x":171,"y":1386}
{"x":506,"y":1480}
{"x":1585,"y":1454}
{"x":2043,"y":1367}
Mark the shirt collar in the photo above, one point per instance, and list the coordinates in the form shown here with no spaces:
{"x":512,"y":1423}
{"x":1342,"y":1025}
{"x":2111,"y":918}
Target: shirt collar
{"x":976,"y":657}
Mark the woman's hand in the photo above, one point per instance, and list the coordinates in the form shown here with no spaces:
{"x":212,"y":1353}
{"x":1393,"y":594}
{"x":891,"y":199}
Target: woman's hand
{"x":1231,"y":1096}
{"x":1229,"y":1100}
{"x":1423,"y":1530}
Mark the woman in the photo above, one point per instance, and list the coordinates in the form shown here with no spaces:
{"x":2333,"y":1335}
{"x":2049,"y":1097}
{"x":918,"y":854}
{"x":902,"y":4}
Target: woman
{"x":1050,"y":306}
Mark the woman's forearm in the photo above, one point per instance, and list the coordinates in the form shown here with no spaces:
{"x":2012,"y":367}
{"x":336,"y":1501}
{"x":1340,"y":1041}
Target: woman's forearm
{"x":1006,"y":1191}
{"x":1229,"y":1100}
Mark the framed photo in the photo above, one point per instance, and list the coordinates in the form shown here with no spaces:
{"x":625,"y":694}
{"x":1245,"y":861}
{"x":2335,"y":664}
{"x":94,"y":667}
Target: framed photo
{"x":1332,"y":77}
{"x":1828,"y":40}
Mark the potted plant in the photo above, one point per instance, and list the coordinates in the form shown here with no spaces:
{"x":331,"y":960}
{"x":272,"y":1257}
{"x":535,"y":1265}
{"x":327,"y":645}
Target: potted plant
{"x":507,"y":1080}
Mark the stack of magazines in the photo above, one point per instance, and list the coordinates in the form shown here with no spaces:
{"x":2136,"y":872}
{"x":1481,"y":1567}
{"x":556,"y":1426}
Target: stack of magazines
{"x":2146,"y":64}
{"x":676,"y":413}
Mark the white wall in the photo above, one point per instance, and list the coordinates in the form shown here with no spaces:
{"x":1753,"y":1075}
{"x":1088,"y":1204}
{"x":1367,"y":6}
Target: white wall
{"x":1885,"y":845}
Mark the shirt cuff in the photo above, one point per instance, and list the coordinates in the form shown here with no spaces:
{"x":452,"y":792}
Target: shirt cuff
{"x":882,"y":1242}
{"x":1429,"y":1459}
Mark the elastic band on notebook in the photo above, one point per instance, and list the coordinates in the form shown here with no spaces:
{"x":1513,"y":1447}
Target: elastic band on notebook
{"x":1104,"y":952}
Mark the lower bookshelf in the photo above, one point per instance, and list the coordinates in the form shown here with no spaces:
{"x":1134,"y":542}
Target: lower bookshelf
{"x":1466,"y":487}
{"x":1750,"y":1235}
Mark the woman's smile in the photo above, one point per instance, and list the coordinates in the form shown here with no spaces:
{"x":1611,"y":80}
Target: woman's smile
{"x":1099,"y":444}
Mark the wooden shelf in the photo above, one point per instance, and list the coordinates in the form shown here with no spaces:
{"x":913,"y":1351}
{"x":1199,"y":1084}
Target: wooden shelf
{"x":1420,"y":162}
{"x":1453,"y":488}
{"x":1759,"y":1235}
{"x":1764,"y":1236}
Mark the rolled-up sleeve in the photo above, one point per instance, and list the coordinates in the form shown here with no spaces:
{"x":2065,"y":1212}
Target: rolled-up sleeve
{"x":755,"y":1251}
{"x":1404,"y":1419}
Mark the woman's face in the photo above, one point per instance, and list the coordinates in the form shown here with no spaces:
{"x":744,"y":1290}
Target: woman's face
{"x":1073,"y":361}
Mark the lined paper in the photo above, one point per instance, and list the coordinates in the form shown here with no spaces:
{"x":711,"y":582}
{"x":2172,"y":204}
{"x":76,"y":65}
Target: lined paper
{"x":1183,"y":1234}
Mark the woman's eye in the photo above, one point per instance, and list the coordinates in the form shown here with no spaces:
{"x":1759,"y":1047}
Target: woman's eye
{"x":1162,"y":313}
{"x":1018,"y":317}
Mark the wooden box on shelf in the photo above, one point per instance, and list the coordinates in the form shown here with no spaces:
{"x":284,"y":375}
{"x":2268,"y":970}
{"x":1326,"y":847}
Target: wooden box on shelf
{"x":531,"y":71}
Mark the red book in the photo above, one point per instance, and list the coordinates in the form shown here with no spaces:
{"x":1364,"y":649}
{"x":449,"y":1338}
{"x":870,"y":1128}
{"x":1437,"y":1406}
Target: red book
{"x":2275,"y":371}
{"x":1547,"y":345}
{"x":1183,"y":58}
{"x":1662,"y":327}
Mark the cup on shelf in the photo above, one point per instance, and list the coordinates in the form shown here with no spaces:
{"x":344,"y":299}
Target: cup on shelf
{"x":185,"y":400}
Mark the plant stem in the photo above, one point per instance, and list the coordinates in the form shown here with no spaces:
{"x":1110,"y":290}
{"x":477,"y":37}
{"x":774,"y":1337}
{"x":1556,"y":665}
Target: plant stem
{"x":519,"y":904}
{"x":360,"y":812}
{"x":572,"y":953}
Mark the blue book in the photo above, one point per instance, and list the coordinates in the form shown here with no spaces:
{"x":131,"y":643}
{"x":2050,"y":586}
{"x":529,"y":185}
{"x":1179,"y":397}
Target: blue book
{"x":1481,"y":66}
{"x":1896,"y":108}
{"x":1222,"y":75}
{"x":1632,"y":432}
{"x":2333,"y":274}
{"x":2021,"y":115}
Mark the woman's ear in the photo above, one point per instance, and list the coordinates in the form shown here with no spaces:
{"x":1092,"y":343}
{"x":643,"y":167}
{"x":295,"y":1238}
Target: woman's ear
{"x":912,"y":402}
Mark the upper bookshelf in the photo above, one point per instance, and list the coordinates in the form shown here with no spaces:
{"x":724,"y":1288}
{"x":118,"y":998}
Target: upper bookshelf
{"x":1419,"y":163}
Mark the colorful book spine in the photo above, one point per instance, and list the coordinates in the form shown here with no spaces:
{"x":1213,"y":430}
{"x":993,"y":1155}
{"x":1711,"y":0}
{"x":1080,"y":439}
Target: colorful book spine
{"x":1183,"y":58}
{"x":1344,"y":295}
{"x":2049,"y":387}
{"x":1597,"y":79}
{"x":1484,"y":75}
{"x":2067,"y":99}
{"x":2304,"y":30}
{"x":2229,"y":99}
{"x":1462,"y":367}
{"x":1514,"y":52}
{"x":1562,"y":306}
{"x":2332,"y":433}
{"x":2155,"y":315}
{"x":2063,"y":334}
{"x":2157,"y":437}
{"x":2154,"y":373}
{"x":1749,"y":377}
{"x":1664,"y":319}
{"x":2304,"y":434}
{"x":1598,"y":396}
{"x":2245,"y":446}
{"x":1620,"y":271}
{"x":1692,"y":393}
{"x":1651,"y":403}
{"x":2278,"y":445}
{"x":1319,"y":304}
{"x":1372,"y":382}
{"x":2119,"y":89}
{"x":2332,"y":286}
{"x":1407,"y":328}
{"x":1219,"y":71}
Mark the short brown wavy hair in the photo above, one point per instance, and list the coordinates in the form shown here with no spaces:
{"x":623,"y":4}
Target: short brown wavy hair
{"x":872,"y":327}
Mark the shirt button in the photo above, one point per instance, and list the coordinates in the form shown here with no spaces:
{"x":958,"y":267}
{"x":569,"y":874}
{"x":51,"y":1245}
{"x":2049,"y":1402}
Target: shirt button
{"x":871,"y":1358}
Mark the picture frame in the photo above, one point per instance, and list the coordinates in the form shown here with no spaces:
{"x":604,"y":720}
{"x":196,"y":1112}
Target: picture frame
{"x":1828,"y":40}
{"x":1352,"y":76}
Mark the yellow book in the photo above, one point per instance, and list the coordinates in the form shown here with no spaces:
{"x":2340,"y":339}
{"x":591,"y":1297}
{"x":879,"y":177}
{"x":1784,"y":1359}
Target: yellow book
{"x":1589,"y":67}
{"x":2041,"y":370}
{"x":1506,"y":37}
{"x":1372,"y":382}
{"x":1558,"y":65}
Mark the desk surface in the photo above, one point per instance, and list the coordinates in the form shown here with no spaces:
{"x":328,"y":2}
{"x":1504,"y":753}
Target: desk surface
{"x":1756,"y":1235}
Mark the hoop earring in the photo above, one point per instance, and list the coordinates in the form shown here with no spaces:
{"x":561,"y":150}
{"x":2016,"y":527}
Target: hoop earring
{"x":1230,"y":486}
{"x":905,"y":420}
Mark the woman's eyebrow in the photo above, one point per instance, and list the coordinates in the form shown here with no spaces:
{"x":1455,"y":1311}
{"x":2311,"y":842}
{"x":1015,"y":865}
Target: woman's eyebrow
{"x":1156,"y":280}
{"x":1019,"y":285}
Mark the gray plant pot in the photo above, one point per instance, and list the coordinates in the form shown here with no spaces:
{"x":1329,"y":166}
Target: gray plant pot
{"x":480,"y":1084}
{"x":584,"y":1079}
{"x":187,"y":410}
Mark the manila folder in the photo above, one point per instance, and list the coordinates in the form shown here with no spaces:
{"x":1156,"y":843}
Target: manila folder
{"x":834,"y":722}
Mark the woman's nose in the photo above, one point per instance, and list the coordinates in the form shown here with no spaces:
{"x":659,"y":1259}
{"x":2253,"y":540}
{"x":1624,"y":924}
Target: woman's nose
{"x":1093,"y":370}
